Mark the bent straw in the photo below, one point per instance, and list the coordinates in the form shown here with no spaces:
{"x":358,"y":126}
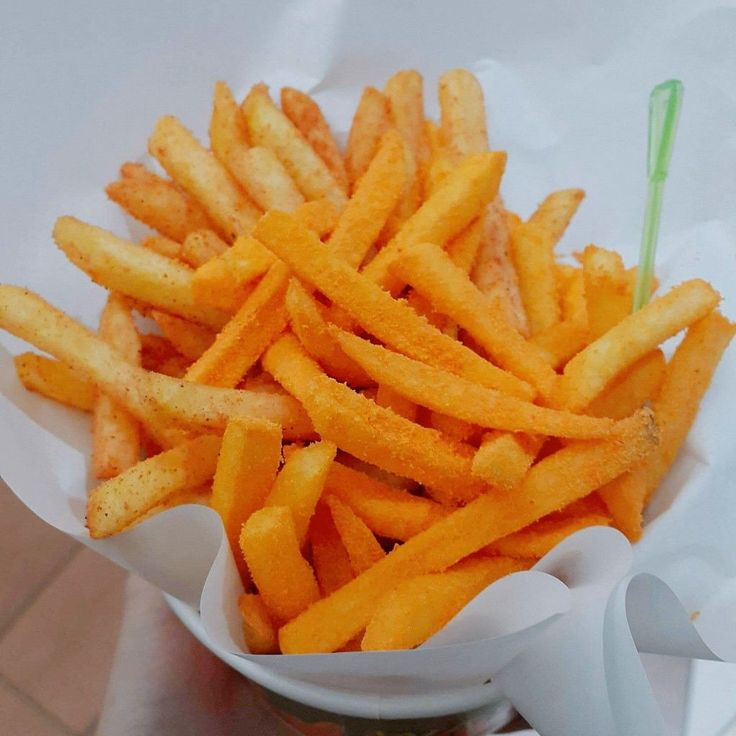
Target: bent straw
{"x":664,"y":110}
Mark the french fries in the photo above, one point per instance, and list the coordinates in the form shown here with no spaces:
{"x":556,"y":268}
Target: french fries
{"x":158,"y":203}
{"x":381,"y":378}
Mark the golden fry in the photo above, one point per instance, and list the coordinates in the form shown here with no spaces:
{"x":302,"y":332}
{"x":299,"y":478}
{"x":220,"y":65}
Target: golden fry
{"x":163,"y":246}
{"x":201,"y":246}
{"x":258,"y":629}
{"x":608,"y":290}
{"x":556,"y":211}
{"x":329,"y":556}
{"x":462,"y":114}
{"x":371,"y":121}
{"x":561,"y":341}
{"x":118,"y":502}
{"x":362,"y":547}
{"x":504,"y":458}
{"x":188,"y":338}
{"x":54,"y":380}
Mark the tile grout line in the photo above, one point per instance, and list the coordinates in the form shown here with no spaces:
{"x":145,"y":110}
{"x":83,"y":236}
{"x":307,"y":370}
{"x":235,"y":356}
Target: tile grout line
{"x":32,"y":703}
{"x":34,"y":594}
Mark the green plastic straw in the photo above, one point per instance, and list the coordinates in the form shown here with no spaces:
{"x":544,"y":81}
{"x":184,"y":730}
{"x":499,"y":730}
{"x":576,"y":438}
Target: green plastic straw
{"x":664,"y":111}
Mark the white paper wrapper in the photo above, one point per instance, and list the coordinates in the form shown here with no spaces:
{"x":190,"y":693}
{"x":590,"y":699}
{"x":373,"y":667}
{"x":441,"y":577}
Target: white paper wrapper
{"x":567,"y":85}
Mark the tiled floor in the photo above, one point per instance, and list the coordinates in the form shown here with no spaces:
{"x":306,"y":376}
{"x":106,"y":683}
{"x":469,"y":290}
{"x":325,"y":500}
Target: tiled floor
{"x":60,"y":607}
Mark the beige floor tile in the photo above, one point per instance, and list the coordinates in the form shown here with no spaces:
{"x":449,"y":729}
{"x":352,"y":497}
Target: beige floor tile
{"x":59,"y":651}
{"x":20,"y":718}
{"x":30,"y":550}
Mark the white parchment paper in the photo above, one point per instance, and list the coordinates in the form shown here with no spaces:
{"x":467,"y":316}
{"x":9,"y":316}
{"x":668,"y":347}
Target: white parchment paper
{"x":566,"y":85}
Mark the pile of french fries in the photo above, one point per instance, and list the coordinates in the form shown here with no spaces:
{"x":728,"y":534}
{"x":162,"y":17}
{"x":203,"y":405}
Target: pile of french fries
{"x":386,"y":383}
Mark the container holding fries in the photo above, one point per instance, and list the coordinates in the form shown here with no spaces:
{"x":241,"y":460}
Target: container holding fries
{"x":358,"y":409}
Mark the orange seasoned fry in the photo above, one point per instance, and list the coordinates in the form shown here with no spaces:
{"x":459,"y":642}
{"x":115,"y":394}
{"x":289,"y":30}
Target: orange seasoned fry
{"x":198,"y":172}
{"x":300,"y":482}
{"x":362,"y":547}
{"x":593,"y":368}
{"x":561,"y":341}
{"x":116,"y":442}
{"x":372,"y":119}
{"x":309,"y":325}
{"x":462,"y":114}
{"x":608,"y":290}
{"x":156,"y":202}
{"x":639,"y":383}
{"x":118,"y":502}
{"x":556,"y":211}
{"x":285,"y":581}
{"x":493,"y":272}
{"x":371,"y":433}
{"x":463,"y":248}
{"x":439,"y":164}
{"x":257,"y":169}
{"x":244,"y":338}
{"x":54,"y":380}
{"x":329,"y":556}
{"x":431,"y":272}
{"x":504,"y":458}
{"x":461,"y":197}
{"x":129,"y":269}
{"x":554,"y":482}
{"x":269,"y":127}
{"x":258,"y":629}
{"x":387,"y":511}
{"x":155,"y":399}
{"x":246,"y":469}
{"x":532,"y":253}
{"x":452,"y":395}
{"x":536,"y":540}
{"x":453,"y":427}
{"x":189,"y":339}
{"x":419,"y":607}
{"x":306,"y":115}
{"x":573,"y":306}
{"x":201,"y":246}
{"x":319,"y":215}
{"x":687,"y":377}
{"x":390,"y":320}
{"x":373,"y":200}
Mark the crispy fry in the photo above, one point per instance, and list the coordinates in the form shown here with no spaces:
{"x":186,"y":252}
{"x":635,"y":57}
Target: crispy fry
{"x":388,"y":319}
{"x":189,"y":339}
{"x":246,"y":469}
{"x":444,"y":392}
{"x":633,"y":387}
{"x":258,"y":629}
{"x":300,"y":482}
{"x":129,"y":269}
{"x":116,"y":442}
{"x":554,"y":482}
{"x":242,"y":341}
{"x":439,"y":164}
{"x":453,"y":427}
{"x":285,"y":581}
{"x":257,"y":169}
{"x":419,"y":607}
{"x":362,"y":547}
{"x":198,"y":172}
{"x":536,"y":540}
{"x":163,"y":246}
{"x":460,"y":198}
{"x":463,"y":248}
{"x":387,"y":511}
{"x":532,"y":253}
{"x":155,"y":399}
{"x":54,"y":380}
{"x":556,"y":211}
{"x":593,"y":368}
{"x":201,"y":246}
{"x":156,"y":202}
{"x":372,"y":119}
{"x":155,"y":349}
{"x":367,"y":431}
{"x":431,"y":272}
{"x":199,"y":496}
{"x":309,"y":325}
{"x":573,"y":306}
{"x":269,"y":127}
{"x":117,"y":502}
{"x":687,"y":377}
{"x":462,"y":114}
{"x":608,"y":290}
{"x":304,"y":112}
{"x":504,"y":458}
{"x":329,"y":556}
{"x":373,"y":200}
{"x":493,"y":272}
{"x":320,"y":216}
